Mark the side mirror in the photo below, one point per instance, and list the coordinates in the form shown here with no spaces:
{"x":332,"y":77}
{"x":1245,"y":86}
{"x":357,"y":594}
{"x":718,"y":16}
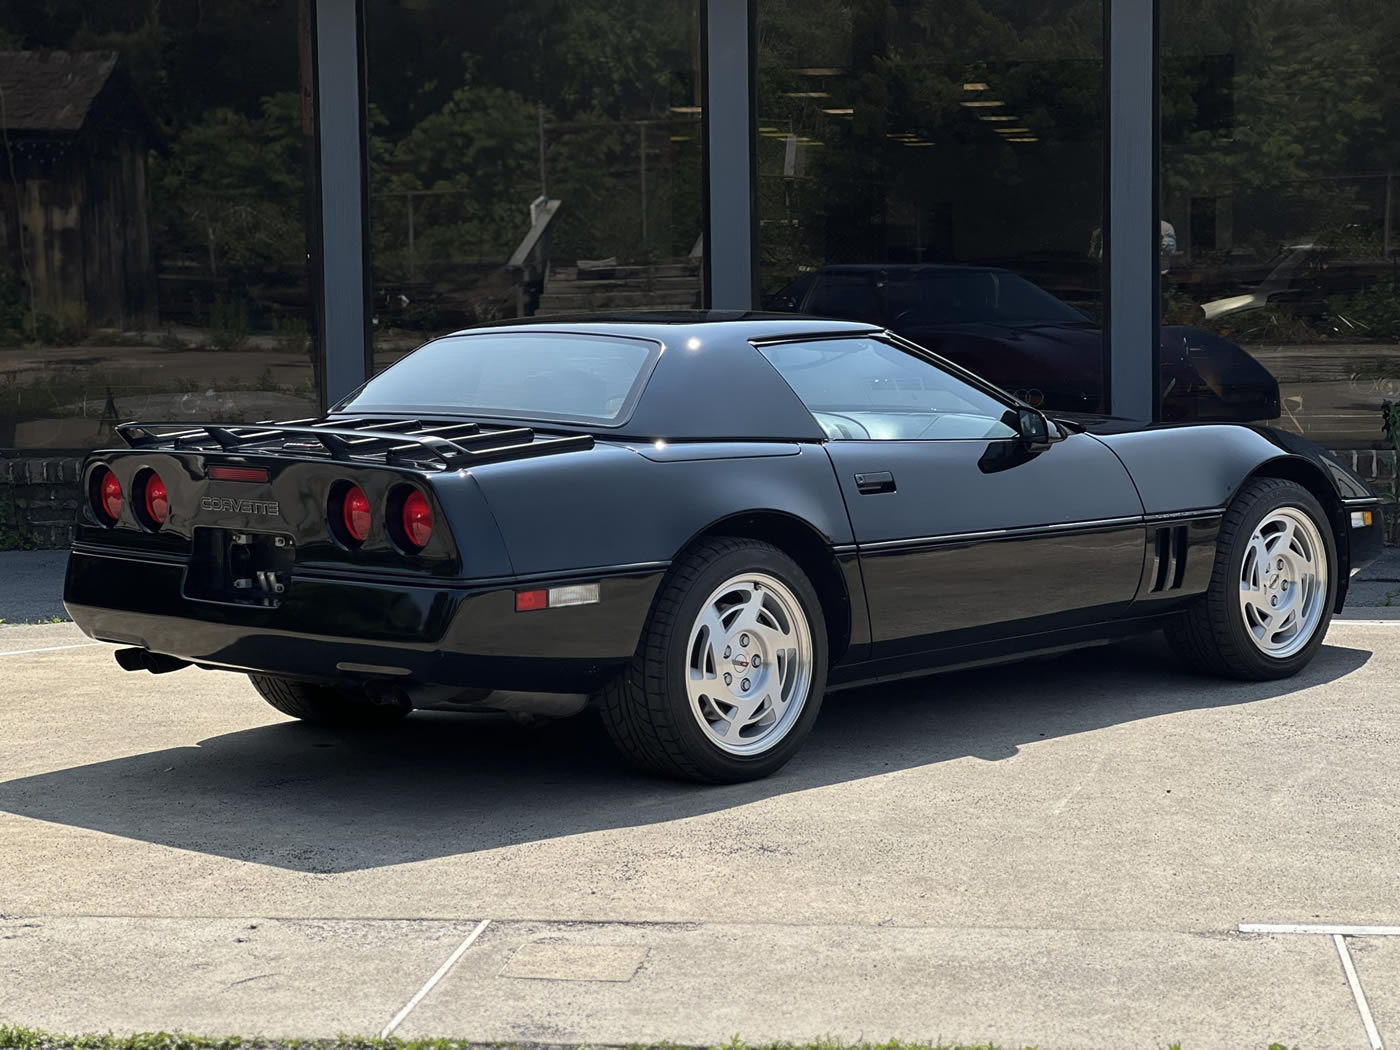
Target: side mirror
{"x":1033,"y":427}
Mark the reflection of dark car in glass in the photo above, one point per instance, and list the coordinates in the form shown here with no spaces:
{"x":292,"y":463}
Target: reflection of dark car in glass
{"x":1302,"y":282}
{"x":1023,"y":339}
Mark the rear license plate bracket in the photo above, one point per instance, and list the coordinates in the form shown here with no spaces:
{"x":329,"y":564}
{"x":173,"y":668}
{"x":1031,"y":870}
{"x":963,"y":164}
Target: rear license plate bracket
{"x":238,"y":567}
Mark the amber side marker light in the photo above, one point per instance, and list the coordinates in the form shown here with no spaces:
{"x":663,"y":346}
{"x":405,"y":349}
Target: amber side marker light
{"x":1361,"y":519}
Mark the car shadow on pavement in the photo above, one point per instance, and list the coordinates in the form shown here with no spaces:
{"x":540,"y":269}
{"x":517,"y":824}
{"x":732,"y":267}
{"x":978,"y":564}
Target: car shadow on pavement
{"x":322,"y":801}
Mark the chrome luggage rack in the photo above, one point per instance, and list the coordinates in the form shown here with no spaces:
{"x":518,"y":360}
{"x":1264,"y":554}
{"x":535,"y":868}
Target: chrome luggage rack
{"x":395,"y":442}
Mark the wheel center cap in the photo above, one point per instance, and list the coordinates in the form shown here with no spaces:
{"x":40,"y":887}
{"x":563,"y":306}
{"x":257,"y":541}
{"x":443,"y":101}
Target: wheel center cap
{"x":741,"y":662}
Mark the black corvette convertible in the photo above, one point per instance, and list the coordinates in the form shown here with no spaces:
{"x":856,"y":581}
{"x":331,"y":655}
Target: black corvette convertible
{"x":699,"y":524}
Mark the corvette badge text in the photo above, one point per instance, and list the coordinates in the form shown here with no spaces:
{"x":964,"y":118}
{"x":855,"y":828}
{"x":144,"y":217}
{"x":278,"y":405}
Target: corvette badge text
{"x":257,"y":508}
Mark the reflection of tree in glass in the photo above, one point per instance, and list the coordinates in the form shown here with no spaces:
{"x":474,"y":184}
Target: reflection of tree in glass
{"x":894,"y":111}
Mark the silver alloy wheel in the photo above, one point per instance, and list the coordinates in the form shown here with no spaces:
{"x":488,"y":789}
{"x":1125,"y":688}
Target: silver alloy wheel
{"x":1283,"y":582}
{"x":749,"y":664}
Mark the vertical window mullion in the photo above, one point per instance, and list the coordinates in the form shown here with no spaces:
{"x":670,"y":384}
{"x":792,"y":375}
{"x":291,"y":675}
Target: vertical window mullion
{"x":1130,"y":269}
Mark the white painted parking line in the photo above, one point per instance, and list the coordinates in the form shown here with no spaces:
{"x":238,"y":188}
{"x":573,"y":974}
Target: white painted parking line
{"x":48,"y":649}
{"x":1343,"y":621}
{"x":1356,"y":993}
{"x":434,"y":979}
{"x":1323,"y":928}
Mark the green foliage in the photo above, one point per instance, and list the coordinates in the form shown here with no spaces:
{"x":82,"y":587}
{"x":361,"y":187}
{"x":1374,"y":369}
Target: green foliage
{"x":478,"y":153}
{"x":169,"y":340}
{"x":1268,"y":326}
{"x":229,"y":193}
{"x":15,"y":534}
{"x":228,"y":323}
{"x":1390,"y":423}
{"x":291,"y":335}
{"x":68,"y":327}
{"x":1376,"y":308}
{"x":12,"y":310}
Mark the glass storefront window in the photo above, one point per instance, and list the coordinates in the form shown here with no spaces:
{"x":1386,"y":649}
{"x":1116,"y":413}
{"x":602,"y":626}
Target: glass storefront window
{"x":531,"y":158}
{"x":153,"y":212}
{"x":936,"y":166}
{"x":1278,"y":181}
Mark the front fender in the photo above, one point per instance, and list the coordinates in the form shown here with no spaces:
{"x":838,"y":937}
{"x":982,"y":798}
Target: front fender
{"x":1203,"y":466}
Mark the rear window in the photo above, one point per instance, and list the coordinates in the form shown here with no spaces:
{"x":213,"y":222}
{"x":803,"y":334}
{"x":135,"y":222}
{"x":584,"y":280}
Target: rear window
{"x":517,"y":375}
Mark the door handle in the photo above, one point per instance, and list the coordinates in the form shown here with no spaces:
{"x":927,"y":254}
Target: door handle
{"x":879,"y":481}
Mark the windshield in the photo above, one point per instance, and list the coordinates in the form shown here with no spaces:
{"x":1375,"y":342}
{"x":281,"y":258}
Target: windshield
{"x":515,"y":375}
{"x":935,"y":297}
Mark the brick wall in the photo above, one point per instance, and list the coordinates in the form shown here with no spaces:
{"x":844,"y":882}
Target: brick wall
{"x":38,"y":496}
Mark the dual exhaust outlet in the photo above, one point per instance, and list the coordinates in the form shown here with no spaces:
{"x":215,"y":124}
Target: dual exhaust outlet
{"x":145,"y":660}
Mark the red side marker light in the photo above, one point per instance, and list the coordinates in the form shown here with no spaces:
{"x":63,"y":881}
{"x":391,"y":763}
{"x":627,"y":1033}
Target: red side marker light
{"x":357,"y":514}
{"x":110,"y":496}
{"x":417,"y":519}
{"x":157,"y":499}
{"x":527,"y":601}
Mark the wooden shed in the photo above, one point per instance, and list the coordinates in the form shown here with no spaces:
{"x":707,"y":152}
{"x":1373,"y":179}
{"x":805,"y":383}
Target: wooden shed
{"x":74,"y":214}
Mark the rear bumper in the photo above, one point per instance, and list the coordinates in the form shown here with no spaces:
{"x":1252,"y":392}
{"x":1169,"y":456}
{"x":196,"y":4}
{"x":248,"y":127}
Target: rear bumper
{"x":346,"y":628}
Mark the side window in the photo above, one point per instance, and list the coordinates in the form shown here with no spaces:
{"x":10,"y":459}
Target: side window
{"x":864,"y":389}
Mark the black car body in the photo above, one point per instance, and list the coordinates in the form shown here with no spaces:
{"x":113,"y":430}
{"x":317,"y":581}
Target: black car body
{"x":1020,"y":337}
{"x":1009,"y":535}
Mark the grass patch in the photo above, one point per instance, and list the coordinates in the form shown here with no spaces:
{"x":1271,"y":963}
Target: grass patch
{"x":32,"y":1039}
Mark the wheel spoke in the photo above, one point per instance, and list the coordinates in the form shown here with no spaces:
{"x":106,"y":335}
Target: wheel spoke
{"x":740,"y":716}
{"x":711,"y":622}
{"x":747,"y":618}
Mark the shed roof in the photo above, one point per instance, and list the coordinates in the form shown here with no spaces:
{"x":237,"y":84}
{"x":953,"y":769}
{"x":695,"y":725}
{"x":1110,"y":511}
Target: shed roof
{"x":51,"y":90}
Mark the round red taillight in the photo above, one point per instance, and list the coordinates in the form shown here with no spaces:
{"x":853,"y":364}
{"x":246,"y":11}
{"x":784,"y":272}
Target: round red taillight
{"x":417,"y":520}
{"x":356,"y":513}
{"x":157,"y":499}
{"x":109,"y":495}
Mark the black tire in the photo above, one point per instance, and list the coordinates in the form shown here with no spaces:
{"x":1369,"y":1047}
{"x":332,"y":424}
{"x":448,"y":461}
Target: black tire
{"x":1211,"y":635}
{"x":326,"y":705}
{"x":646,"y":709}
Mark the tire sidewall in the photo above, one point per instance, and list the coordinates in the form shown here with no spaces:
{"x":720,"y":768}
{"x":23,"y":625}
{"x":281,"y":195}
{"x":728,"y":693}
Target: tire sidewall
{"x":717,"y":763}
{"x":1297,"y":498}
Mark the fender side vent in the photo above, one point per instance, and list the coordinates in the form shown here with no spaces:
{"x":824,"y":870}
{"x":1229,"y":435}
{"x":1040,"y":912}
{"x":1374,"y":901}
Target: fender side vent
{"x":1168,"y":559}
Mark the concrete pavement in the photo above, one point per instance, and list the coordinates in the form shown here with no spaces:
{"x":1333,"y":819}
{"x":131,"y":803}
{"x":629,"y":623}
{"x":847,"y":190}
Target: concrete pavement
{"x":1055,"y":853}
{"x":31,"y":586}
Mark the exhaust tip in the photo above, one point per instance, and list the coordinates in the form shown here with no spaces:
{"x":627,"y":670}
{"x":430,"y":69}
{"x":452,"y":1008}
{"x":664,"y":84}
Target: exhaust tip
{"x":145,"y":660}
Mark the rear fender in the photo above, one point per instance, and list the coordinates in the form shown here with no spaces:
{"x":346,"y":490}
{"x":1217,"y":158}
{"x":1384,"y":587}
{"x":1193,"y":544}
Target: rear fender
{"x":613,"y":506}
